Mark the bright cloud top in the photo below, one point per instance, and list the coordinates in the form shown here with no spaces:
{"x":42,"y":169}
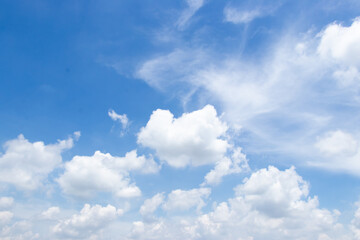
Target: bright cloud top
{"x":269,"y":204}
{"x":25,"y":165}
{"x":88,"y":223}
{"x":85,"y":176}
{"x":192,"y":139}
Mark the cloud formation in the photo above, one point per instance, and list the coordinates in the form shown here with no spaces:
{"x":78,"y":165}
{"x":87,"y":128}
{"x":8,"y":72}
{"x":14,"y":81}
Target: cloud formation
{"x":192,"y":139}
{"x":25,"y":165}
{"x":85,"y":176}
{"x":121,"y":118}
{"x":269,"y":204}
{"x":193,"y":7}
{"x":88,"y":223}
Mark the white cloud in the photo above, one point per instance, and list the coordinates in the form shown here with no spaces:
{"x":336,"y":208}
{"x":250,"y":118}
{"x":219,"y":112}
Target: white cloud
{"x":6,"y":202}
{"x":25,"y":164}
{"x":20,"y":230}
{"x":237,"y":16}
{"x":226,"y":166}
{"x":273,"y":192}
{"x":193,"y":7}
{"x":341,"y":43}
{"x":150,"y":205}
{"x":192,"y":139}
{"x":122,"y":118}
{"x":284,"y":99}
{"x":270,"y":204}
{"x":347,"y":77}
{"x":337,"y":142}
{"x":50,"y":213}
{"x":88,"y":223}
{"x":181,"y":200}
{"x":246,"y":11}
{"x":85,"y":176}
{"x":339,"y":151}
{"x":355,"y":223}
{"x":5,"y":217}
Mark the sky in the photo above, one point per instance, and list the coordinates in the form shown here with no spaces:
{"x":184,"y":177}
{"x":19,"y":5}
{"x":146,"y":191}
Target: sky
{"x":184,"y":119}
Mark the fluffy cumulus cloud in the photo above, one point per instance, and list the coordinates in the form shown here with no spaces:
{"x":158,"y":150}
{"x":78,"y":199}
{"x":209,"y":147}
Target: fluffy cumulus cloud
{"x":25,"y":164}
{"x":150,"y":205}
{"x":181,"y":200}
{"x":176,"y":201}
{"x":340,"y":44}
{"x":19,"y":230}
{"x":50,"y":213}
{"x":192,"y":139}
{"x":85,"y":176}
{"x":270,"y":204}
{"x":226,"y":166}
{"x":340,"y":151}
{"x":88,"y":223}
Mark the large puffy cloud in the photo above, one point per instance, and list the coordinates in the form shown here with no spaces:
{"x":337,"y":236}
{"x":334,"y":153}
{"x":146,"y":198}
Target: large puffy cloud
{"x":341,"y":43}
{"x":270,"y":204}
{"x":25,"y":164}
{"x":85,"y":176}
{"x":88,"y":223}
{"x":194,"y":139}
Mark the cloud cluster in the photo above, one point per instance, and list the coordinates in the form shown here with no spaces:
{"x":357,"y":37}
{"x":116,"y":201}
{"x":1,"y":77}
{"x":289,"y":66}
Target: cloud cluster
{"x":88,"y":223}
{"x":85,"y":176}
{"x":193,"y":139}
{"x":176,"y":201}
{"x":25,"y":165}
{"x":287,"y":97}
{"x":270,"y":204}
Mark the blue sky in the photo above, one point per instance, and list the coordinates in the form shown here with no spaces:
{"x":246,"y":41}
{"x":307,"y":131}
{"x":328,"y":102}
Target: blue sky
{"x":190,"y":119}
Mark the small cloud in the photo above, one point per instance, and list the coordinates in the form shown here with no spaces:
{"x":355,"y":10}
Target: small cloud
{"x":237,"y":16}
{"x":193,"y":7}
{"x":121,"y":118}
{"x":50,"y":213}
